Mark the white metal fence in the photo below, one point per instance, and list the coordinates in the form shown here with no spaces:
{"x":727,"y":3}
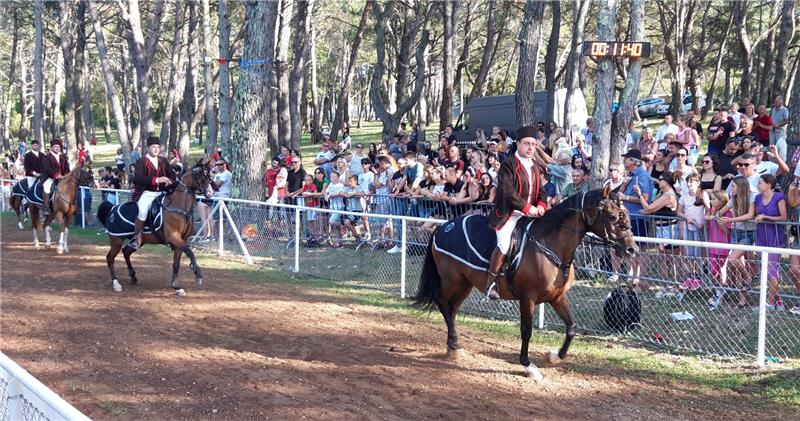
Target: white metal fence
{"x":22,"y":397}
{"x":675,"y":314}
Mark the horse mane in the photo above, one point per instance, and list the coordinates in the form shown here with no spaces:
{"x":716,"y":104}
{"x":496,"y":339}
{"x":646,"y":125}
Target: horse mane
{"x":553,"y":218}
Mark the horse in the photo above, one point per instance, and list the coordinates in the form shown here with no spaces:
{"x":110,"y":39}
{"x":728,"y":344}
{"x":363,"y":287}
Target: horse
{"x":176,"y":227}
{"x":65,"y":204}
{"x":544,"y":273}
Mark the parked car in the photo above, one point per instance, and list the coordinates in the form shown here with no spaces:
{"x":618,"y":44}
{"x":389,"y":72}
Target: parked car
{"x":663,"y":109}
{"x":647,"y":107}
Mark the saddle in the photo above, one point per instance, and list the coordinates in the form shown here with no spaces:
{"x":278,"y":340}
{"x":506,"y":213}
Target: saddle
{"x":34,"y":194}
{"x":122,"y":217}
{"x":469,"y":240}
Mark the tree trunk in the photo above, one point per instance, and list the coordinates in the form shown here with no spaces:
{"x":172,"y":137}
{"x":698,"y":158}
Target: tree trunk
{"x":448,"y":18}
{"x":225,"y":111}
{"x":300,"y":48}
{"x":316,"y":111}
{"x":339,"y":116}
{"x":676,"y":26}
{"x":526,"y":71}
{"x":178,"y":37}
{"x":55,"y":101}
{"x":481,"y":79}
{"x":571,"y":79}
{"x":187,"y":106}
{"x":23,"y":130}
{"x":250,"y":120}
{"x":67,"y":43}
{"x":106,"y":121}
{"x":87,"y":114}
{"x":8,"y":101}
{"x":284,"y":122}
{"x":38,"y":110}
{"x":630,"y":91}
{"x":550,"y":62}
{"x":79,"y":78}
{"x":208,"y":84}
{"x":391,"y":120}
{"x":785,"y":36}
{"x":604,"y":94}
{"x":717,"y":67}
{"x":794,"y":109}
{"x":111,"y":90}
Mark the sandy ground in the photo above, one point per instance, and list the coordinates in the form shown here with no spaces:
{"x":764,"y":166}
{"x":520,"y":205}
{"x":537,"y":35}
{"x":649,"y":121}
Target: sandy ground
{"x":242,"y":350}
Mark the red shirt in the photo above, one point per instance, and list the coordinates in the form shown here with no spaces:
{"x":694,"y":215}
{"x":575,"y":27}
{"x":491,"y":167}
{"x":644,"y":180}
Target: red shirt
{"x":311,"y":202}
{"x":763,"y":134}
{"x":270,"y":179}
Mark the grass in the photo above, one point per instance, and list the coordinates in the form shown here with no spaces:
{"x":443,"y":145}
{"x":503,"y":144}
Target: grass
{"x":113,"y":407}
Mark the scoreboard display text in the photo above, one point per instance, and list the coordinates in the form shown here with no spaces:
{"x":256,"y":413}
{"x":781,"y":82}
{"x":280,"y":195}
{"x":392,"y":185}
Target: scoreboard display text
{"x":601,"y":49}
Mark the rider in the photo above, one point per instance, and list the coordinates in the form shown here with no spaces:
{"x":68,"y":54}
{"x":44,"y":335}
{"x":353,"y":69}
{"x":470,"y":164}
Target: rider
{"x":519,"y":193}
{"x":33,"y":162}
{"x":152,"y":174}
{"x":54,"y":167}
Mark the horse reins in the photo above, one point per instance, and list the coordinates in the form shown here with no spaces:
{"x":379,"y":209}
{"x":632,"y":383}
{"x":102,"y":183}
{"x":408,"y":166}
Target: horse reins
{"x":187,"y":210}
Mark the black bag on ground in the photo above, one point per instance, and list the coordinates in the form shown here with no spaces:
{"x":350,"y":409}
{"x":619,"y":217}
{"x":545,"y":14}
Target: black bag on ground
{"x":622,"y":309}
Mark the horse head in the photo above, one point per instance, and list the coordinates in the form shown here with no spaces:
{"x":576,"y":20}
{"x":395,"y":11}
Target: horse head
{"x":199,"y":178}
{"x":610,"y":221}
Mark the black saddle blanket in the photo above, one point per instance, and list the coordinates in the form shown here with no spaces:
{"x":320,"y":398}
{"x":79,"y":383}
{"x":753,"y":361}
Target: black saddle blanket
{"x":121,"y":218}
{"x":33,"y":194}
{"x":469,"y":240}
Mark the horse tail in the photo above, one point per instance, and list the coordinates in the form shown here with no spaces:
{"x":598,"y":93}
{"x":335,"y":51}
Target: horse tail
{"x":103,"y":211}
{"x":430,"y":282}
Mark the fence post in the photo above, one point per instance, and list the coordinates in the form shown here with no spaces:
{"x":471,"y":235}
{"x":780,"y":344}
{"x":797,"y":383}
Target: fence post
{"x":762,"y":311}
{"x":296,"y":240}
{"x":540,"y":323}
{"x":83,"y":211}
{"x":236,"y":234}
{"x":221,"y":247}
{"x":403,"y":249}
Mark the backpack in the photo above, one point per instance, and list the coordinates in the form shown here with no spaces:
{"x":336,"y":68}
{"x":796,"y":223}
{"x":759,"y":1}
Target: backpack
{"x":622,"y":310}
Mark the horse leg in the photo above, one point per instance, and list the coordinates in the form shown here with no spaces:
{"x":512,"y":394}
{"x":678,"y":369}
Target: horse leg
{"x":35,"y":226}
{"x":176,"y":265}
{"x":526,"y":307}
{"x":193,"y":263}
{"x":561,"y":307}
{"x":127,"y":252}
{"x":450,"y":303}
{"x":62,"y":239}
{"x":116,"y":245}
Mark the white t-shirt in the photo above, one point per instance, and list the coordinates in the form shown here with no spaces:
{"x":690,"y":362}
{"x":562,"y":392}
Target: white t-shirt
{"x":693,"y":212}
{"x":365,"y":179}
{"x":355,"y":164}
{"x":767,"y":167}
{"x":227,"y":180}
{"x":664,"y":129}
{"x":336,"y":203}
{"x":384,"y":178}
{"x":753,"y":181}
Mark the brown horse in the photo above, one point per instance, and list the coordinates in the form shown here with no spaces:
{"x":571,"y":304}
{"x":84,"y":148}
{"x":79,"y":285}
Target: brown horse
{"x":545,"y":272}
{"x":177,"y":226}
{"x":65,"y":205}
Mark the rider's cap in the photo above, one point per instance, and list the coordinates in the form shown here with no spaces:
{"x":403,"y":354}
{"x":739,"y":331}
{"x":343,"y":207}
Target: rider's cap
{"x":55,"y":142}
{"x":526,"y":131}
{"x":152,"y":140}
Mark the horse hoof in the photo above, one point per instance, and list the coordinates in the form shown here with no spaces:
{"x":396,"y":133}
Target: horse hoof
{"x":20,"y":226}
{"x":116,"y":286}
{"x":199,"y":282}
{"x":532,"y":372}
{"x":37,"y":247}
{"x":60,"y":250}
{"x":455,"y":354}
{"x":180,"y":292}
{"x":552,"y":359}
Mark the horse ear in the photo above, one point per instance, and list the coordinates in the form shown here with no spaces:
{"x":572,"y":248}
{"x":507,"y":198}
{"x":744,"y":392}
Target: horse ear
{"x":606,"y":191}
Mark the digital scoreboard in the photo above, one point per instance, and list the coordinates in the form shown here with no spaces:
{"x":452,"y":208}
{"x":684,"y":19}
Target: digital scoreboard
{"x":601,"y":49}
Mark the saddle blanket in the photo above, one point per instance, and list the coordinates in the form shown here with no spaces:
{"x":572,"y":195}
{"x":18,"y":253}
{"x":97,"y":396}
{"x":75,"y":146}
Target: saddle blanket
{"x":121,"y":219}
{"x":469,"y":240}
{"x":21,"y":188}
{"x":34,"y":193}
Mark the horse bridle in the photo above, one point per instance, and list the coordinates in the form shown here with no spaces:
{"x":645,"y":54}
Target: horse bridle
{"x":592,"y":219}
{"x":77,"y":178}
{"x":188,"y":207}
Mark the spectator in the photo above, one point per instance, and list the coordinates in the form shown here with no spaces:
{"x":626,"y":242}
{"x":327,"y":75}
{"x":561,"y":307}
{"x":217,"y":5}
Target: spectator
{"x":718,"y":232}
{"x":453,"y":183}
{"x":383,"y":203}
{"x":454,"y":160}
{"x":82,"y":155}
{"x":710,"y":179}
{"x":414,"y":171}
{"x":689,"y":138}
{"x":120,"y":160}
{"x":741,"y":205}
{"x":355,"y":203}
{"x":769,"y":208}
{"x":726,"y":167}
{"x":372,"y":154}
{"x":780,"y":121}
{"x":794,"y":261}
{"x":560,"y":171}
{"x":480,"y":139}
{"x":681,"y":170}
{"x":294,"y":180}
{"x":486,"y":190}
{"x":396,"y":148}
{"x":762,"y":125}
{"x":324,"y":158}
{"x":578,"y":185}
{"x":271,"y":176}
{"x":735,"y":115}
{"x":664,"y":207}
{"x":691,"y":121}
{"x":478,"y":162}
{"x":448,"y":133}
{"x":665,"y":128}
{"x":221,"y":184}
{"x":638,"y":187}
{"x":469,"y":193}
{"x":491,"y":161}
{"x":356,"y":162}
{"x":776,"y":168}
{"x":333,"y":195}
{"x":367,"y":177}
{"x":719,"y":131}
{"x":308,"y":196}
{"x":343,"y":169}
{"x":588,"y":131}
{"x":691,"y":208}
{"x":659,"y":165}
{"x":285,"y":156}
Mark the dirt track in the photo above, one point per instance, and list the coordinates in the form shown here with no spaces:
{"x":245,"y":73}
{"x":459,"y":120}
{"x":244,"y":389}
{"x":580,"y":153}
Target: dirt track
{"x":239,"y":350}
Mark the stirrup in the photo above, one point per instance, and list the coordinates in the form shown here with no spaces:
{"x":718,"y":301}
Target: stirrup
{"x":488,"y":294}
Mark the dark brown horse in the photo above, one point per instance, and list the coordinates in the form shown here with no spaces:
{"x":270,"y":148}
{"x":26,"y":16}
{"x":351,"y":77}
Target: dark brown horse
{"x":65,"y":205}
{"x":177,"y":226}
{"x":545,"y":273}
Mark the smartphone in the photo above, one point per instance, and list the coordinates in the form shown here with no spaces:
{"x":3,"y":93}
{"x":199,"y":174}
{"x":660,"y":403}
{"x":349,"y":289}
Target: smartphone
{"x":765,"y":149}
